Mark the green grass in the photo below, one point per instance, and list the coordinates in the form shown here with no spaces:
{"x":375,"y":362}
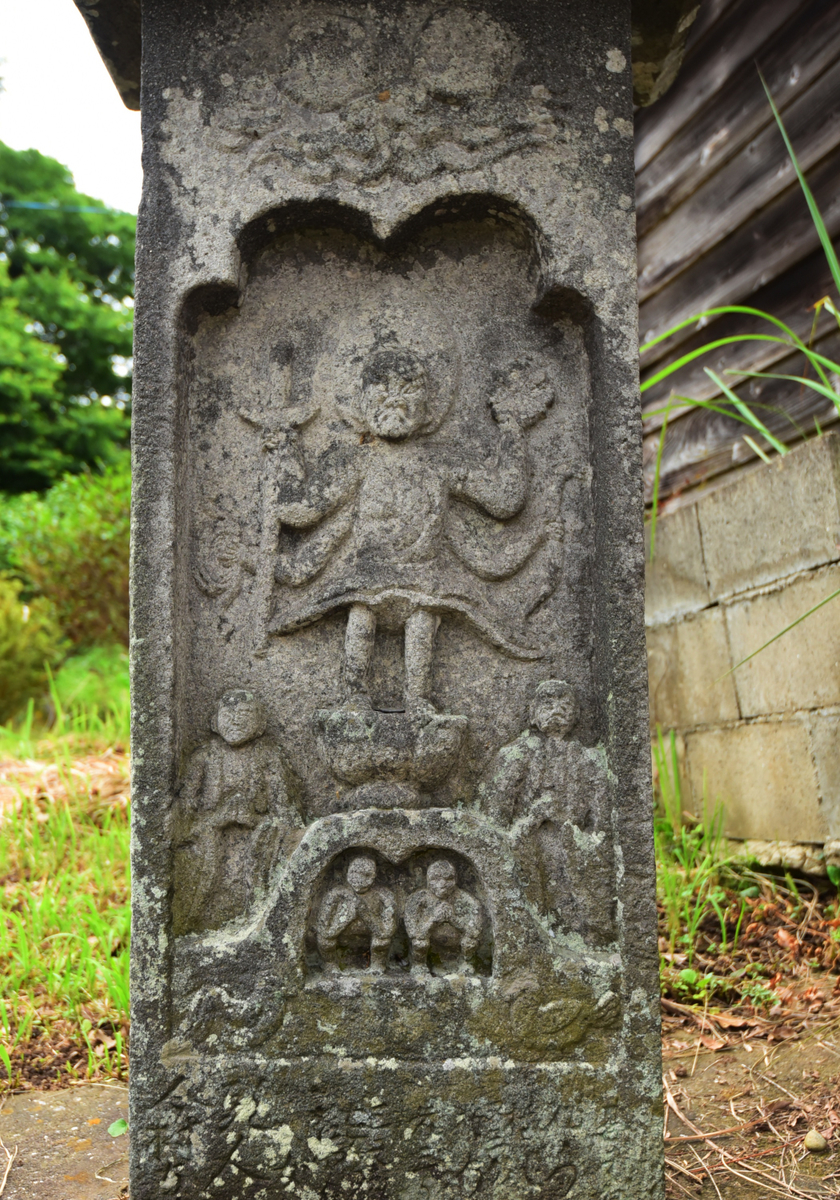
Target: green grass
{"x":64,"y":903}
{"x":65,"y":914}
{"x":89,"y":709}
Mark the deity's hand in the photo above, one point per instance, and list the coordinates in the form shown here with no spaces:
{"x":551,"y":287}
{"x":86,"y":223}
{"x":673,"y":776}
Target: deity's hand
{"x":525,"y":397}
{"x":282,"y":434}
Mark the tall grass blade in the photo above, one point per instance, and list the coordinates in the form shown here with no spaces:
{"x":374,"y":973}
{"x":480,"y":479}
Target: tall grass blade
{"x":747,"y":414}
{"x":656,"y":477}
{"x":781,"y":633}
{"x":816,"y":216}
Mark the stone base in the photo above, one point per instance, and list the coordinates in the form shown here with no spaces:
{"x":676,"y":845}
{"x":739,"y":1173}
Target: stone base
{"x":795,"y":856}
{"x":255,"y":1129}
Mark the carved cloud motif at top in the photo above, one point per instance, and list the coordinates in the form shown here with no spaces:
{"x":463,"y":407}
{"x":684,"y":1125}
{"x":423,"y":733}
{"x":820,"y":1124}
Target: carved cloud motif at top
{"x":426,"y":106}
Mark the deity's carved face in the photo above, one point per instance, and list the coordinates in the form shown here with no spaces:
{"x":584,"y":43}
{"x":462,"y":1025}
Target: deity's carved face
{"x":441,"y":879}
{"x":395,"y":394}
{"x":239,"y":718}
{"x":555,"y":709}
{"x":361,"y":874}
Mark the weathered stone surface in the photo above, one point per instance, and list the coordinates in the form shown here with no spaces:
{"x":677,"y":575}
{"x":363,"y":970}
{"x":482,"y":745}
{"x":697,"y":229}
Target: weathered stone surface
{"x":791,"y":510}
{"x":802,"y":669}
{"x":795,"y":856}
{"x":687,"y":668}
{"x":764,"y":776}
{"x":394,"y":910}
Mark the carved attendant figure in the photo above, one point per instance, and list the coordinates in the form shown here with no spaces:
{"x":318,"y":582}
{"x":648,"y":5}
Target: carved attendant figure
{"x":357,"y":907}
{"x":552,"y":793}
{"x":381,"y":544}
{"x":441,"y":902}
{"x":233,"y":812}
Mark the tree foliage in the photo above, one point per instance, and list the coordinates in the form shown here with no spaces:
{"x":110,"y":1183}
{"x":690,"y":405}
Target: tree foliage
{"x":66,"y":298}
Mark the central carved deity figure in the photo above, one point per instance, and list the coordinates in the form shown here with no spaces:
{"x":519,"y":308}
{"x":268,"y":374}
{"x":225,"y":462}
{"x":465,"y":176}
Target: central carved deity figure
{"x":369,"y":528}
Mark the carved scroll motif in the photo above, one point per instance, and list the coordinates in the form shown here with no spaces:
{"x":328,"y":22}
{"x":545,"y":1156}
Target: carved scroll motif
{"x":325,"y":111}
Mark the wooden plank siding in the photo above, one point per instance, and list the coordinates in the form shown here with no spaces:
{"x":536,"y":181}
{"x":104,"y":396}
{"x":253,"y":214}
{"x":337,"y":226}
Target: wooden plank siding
{"x":739,"y":113}
{"x":721,"y":220}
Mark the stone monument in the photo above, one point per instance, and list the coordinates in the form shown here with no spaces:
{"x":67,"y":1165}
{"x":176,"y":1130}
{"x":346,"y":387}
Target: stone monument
{"x":394,"y":923}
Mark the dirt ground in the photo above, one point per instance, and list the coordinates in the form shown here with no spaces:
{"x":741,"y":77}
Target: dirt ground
{"x":770,"y":1095}
{"x":61,"y":1146}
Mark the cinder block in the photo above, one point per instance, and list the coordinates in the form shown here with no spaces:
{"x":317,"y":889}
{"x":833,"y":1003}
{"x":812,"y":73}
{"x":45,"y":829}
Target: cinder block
{"x":825,"y":746}
{"x":675,"y":582}
{"x":685,"y":662}
{"x":773,"y":522}
{"x":802,"y":669}
{"x":763,"y":775}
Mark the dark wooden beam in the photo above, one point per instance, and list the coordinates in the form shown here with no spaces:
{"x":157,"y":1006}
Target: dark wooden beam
{"x":660,"y":30}
{"x":115,"y":28}
{"x":765,"y":246}
{"x":790,"y":298}
{"x":732,"y":42}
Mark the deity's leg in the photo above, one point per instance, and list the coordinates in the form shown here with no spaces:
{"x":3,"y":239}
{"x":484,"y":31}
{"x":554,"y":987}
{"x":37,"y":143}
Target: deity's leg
{"x":328,"y":949}
{"x":379,"y":955}
{"x":358,"y":649}
{"x":420,"y":629}
{"x":420,"y":957}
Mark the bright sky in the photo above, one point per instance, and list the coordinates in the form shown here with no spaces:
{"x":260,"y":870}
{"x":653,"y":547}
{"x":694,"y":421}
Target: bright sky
{"x":58,"y":98}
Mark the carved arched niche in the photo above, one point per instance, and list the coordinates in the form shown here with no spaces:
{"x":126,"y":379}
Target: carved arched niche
{"x":427,"y":914}
{"x":276,"y":380}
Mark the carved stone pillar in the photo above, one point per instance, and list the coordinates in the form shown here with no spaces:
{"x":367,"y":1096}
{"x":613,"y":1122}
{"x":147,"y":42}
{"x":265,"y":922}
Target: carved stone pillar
{"x":394,"y":929}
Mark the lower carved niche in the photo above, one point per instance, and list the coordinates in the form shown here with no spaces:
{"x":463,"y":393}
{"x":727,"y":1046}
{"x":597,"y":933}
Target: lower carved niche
{"x":426,"y":916}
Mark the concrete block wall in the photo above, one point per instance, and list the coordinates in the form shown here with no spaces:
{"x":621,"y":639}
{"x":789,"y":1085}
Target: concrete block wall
{"x":730,"y":571}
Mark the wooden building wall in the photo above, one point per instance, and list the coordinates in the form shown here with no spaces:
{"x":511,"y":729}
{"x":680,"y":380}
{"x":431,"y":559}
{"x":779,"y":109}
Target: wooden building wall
{"x":721,"y":220}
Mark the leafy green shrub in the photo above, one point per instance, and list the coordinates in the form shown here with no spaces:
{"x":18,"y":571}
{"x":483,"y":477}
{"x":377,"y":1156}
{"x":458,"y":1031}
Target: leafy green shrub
{"x":29,"y":638}
{"x":94,"y":681}
{"x":70,"y":545}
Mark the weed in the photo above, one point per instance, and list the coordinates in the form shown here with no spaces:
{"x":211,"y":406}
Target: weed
{"x":726,"y":929}
{"x":688,"y":856}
